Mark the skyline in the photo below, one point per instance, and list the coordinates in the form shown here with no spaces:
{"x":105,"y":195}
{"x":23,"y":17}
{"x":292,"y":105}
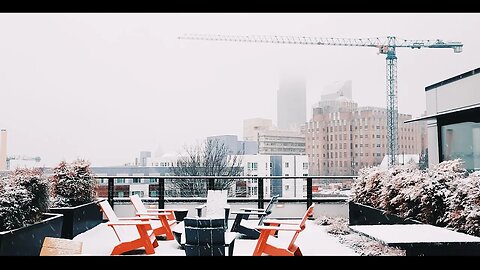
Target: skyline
{"x":106,"y":86}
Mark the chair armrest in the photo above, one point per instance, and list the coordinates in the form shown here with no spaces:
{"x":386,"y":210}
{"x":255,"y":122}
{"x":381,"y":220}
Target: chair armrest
{"x":201,"y":206}
{"x":127,"y":223}
{"x":136,"y":218}
{"x":230,"y":237}
{"x":151,"y":214}
{"x":273,"y":228}
{"x":248,"y":213}
{"x":253,"y":209}
{"x":278,"y":221}
{"x":160,"y":210}
{"x":199,"y":209}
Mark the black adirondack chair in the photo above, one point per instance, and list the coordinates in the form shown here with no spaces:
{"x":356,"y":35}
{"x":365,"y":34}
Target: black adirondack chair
{"x":207,"y":237}
{"x":250,"y":232}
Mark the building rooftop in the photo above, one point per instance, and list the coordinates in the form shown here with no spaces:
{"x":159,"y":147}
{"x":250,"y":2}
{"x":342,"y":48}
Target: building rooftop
{"x":314,"y":240}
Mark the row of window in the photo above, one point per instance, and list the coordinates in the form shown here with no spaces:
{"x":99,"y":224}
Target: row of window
{"x":339,"y":155}
{"x":253,"y":166}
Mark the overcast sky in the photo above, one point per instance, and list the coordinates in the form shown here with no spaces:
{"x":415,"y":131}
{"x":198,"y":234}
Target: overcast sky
{"x":106,"y":86}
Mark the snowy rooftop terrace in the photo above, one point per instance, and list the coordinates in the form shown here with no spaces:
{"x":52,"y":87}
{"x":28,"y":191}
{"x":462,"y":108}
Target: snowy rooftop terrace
{"x":313,"y":241}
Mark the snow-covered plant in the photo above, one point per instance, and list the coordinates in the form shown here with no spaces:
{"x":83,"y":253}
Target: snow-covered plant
{"x":366,"y":188}
{"x":445,"y":195}
{"x":464,"y":205}
{"x":24,"y":197}
{"x":73,"y":184}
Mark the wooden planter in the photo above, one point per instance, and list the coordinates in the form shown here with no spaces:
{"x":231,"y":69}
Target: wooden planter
{"x":27,"y":241}
{"x":79,"y":219}
{"x":360,"y":214}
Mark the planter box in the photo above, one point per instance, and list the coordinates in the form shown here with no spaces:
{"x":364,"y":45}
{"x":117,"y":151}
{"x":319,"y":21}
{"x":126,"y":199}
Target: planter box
{"x":79,"y":219}
{"x":27,"y":241}
{"x":360,"y":214}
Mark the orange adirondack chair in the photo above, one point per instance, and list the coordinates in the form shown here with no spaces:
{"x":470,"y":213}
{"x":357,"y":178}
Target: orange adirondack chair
{"x":132,"y":232}
{"x":267,"y":243}
{"x":166,"y":217}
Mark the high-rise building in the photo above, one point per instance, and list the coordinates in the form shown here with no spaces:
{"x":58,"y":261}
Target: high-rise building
{"x":291,"y":103}
{"x":341,"y":137}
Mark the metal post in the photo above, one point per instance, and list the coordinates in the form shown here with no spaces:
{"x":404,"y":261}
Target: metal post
{"x":260,"y":193}
{"x":161,"y":193}
{"x":309,"y":191}
{"x":110,"y":188}
{"x":211,"y":184}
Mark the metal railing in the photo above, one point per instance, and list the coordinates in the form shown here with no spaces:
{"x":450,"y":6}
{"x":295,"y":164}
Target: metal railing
{"x":210,"y":184}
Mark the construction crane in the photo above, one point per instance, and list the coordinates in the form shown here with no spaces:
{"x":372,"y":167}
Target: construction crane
{"x":386,"y":46}
{"x":36,"y":159}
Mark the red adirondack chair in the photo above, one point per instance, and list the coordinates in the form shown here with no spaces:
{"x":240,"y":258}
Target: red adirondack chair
{"x":166,"y":217}
{"x":132,"y":232}
{"x":267,"y":243}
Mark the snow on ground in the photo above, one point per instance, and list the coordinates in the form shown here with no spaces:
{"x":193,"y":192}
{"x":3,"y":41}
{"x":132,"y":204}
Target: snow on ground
{"x":416,"y":233}
{"x":313,"y":241}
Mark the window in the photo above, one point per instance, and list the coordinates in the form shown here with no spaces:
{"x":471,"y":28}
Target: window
{"x":287,"y":187}
{"x":462,"y":140}
{"x":120,"y":194}
{"x":287,"y":165}
{"x":153,"y":193}
{"x":120,"y":181}
{"x":152,"y":180}
{"x":305,"y":164}
{"x":137,"y":181}
{"x":139,"y":193}
{"x":252,"y":166}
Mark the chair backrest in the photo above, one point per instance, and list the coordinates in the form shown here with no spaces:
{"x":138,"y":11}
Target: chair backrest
{"x":138,"y":204}
{"x":204,"y":236}
{"x":123,"y":233}
{"x":268,"y":209}
{"x":216,"y":203}
{"x":108,"y":211}
{"x":308,"y":213}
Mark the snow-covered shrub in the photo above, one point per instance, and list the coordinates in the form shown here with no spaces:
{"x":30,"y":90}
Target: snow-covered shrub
{"x":444,"y":195}
{"x":24,"y":197}
{"x":73,"y":184}
{"x":464,"y":205}
{"x":366,"y":189}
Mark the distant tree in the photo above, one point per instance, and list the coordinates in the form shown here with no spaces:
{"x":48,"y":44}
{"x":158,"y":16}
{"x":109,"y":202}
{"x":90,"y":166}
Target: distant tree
{"x":423,"y":160}
{"x":210,"y":158}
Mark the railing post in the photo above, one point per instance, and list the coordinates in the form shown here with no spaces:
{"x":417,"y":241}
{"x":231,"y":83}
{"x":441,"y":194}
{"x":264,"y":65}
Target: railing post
{"x":110,"y":188}
{"x":211,"y":183}
{"x":161,"y":193}
{"x":309,"y":191}
{"x":260,"y":192}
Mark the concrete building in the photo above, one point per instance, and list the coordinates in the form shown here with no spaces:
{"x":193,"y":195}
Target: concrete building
{"x":291,"y":102}
{"x":276,"y":165}
{"x":253,"y":126}
{"x":341,"y":137}
{"x":453,"y":119}
{"x":273,"y":141}
{"x":143,"y":159}
{"x":235,"y":146}
{"x":281,"y":142}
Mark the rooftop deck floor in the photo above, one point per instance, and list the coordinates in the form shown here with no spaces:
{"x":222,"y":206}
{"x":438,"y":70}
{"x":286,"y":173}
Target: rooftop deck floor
{"x":313,"y":241}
